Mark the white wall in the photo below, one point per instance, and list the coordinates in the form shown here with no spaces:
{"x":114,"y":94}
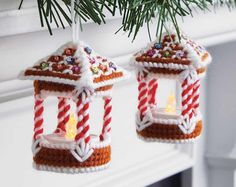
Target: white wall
{"x":221,"y":111}
{"x":146,"y":163}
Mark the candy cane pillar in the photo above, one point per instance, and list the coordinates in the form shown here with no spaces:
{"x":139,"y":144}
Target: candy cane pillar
{"x":187,"y":94}
{"x":63,"y":114}
{"x":196,"y":97}
{"x":143,"y":95}
{"x":86,"y":120}
{"x":152,"y":88}
{"x":38,"y":117}
{"x":106,"y":119}
{"x":82,"y":106}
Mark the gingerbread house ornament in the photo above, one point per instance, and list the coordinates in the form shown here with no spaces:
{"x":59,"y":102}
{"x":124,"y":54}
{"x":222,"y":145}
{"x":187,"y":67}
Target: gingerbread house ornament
{"x":170,"y":58}
{"x":74,"y":74}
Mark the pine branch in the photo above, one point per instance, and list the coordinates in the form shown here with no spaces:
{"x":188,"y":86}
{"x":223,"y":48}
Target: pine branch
{"x":136,"y":13}
{"x":58,"y":11}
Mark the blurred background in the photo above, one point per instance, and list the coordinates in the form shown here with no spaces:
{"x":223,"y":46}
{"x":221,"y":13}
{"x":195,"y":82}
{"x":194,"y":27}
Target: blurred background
{"x":210,"y":162}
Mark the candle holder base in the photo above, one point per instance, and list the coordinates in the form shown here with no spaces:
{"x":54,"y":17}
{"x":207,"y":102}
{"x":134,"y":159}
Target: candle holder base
{"x":169,"y":133}
{"x":55,"y":155}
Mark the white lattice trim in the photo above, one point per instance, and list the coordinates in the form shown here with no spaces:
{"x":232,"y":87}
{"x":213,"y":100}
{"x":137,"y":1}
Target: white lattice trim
{"x":161,"y":65}
{"x":148,"y":120}
{"x":144,"y":123}
{"x":178,"y":141}
{"x":71,"y":145}
{"x":160,"y":75}
{"x":45,"y":93}
{"x":69,"y":170}
{"x":36,"y":145}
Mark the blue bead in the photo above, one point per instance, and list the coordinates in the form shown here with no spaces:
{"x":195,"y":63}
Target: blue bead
{"x":70,"y":60}
{"x":88,"y":50}
{"x":158,"y":45}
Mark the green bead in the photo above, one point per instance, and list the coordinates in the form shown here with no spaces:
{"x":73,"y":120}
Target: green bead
{"x":166,"y":54}
{"x":44,"y":65}
{"x":95,"y":70}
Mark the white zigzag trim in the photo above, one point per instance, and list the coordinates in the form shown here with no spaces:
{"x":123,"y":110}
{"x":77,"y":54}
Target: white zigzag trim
{"x":69,"y":170}
{"x":178,"y":141}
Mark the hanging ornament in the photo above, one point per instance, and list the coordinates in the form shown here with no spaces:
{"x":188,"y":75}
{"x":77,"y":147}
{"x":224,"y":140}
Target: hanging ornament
{"x":186,"y":62}
{"x":72,"y":78}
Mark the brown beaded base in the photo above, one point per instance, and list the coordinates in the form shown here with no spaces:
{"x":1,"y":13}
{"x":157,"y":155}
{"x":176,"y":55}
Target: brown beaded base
{"x":169,"y":133}
{"x":62,"y":158}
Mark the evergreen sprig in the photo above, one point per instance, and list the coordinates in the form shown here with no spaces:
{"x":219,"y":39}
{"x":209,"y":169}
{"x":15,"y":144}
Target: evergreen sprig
{"x":136,"y":13}
{"x":58,"y":11}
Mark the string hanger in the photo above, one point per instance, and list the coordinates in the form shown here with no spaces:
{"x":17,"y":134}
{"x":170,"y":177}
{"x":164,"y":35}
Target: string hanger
{"x":75,"y":22}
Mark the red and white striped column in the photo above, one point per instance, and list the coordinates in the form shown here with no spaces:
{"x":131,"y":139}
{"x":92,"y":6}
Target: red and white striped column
{"x":83,"y":118}
{"x":63,"y":114}
{"x":196,"y":96}
{"x":143,"y":95}
{"x":38,"y":117}
{"x":106,"y":119}
{"x":79,"y":111}
{"x":152,"y":88}
{"x":187,"y":97}
{"x":86,"y":126}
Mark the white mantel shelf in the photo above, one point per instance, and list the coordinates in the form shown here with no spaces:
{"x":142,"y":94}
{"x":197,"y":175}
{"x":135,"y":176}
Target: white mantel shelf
{"x":210,"y":28}
{"x":134,"y":163}
{"x":222,"y":29}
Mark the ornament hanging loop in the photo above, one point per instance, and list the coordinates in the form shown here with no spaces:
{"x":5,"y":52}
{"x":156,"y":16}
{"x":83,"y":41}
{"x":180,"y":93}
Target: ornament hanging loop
{"x":75,"y":21}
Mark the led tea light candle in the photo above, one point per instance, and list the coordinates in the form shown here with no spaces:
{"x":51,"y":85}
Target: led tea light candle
{"x":71,"y":128}
{"x":171,"y":104}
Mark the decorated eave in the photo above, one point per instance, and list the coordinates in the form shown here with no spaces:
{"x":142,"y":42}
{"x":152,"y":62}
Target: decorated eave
{"x":172,"y":56}
{"x":78,"y":66}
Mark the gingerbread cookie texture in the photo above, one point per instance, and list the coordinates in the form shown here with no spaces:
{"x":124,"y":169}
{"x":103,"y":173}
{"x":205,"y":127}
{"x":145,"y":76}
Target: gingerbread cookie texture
{"x":172,"y":56}
{"x":183,"y":60}
{"x":75,"y":73}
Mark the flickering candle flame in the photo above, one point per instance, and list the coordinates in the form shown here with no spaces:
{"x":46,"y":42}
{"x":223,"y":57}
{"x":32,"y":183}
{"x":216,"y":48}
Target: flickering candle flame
{"x":71,"y":127}
{"x":171,"y":104}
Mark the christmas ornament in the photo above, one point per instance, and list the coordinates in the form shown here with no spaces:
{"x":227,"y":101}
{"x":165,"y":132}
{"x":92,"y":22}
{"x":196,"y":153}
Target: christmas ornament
{"x":69,"y":75}
{"x":71,"y":148}
{"x":186,"y":62}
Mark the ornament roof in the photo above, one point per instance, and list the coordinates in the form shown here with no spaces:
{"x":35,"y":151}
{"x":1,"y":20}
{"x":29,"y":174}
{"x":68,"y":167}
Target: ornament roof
{"x":170,"y":53}
{"x":78,"y":65}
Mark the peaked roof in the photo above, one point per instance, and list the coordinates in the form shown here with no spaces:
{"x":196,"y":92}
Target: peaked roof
{"x":78,"y":65}
{"x":170,"y":53}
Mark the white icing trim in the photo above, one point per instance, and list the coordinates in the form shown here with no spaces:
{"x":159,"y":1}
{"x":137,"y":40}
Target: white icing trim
{"x":179,"y":141}
{"x":187,"y":127}
{"x":192,"y":54}
{"x":86,"y":79}
{"x":36,"y":145}
{"x":144,"y":123}
{"x":70,"y":170}
{"x":45,"y":93}
{"x":50,"y":79}
{"x":107,"y":93}
{"x":71,"y":145}
{"x":161,"y":65}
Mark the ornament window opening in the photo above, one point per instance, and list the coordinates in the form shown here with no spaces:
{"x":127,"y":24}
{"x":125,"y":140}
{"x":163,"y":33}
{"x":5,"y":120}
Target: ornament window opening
{"x":167,"y":102}
{"x":168,"y":97}
{"x":67,"y":118}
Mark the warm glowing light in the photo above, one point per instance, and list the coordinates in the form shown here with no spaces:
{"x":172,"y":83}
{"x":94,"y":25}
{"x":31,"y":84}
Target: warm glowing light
{"x":71,"y":127}
{"x":171,"y":104}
